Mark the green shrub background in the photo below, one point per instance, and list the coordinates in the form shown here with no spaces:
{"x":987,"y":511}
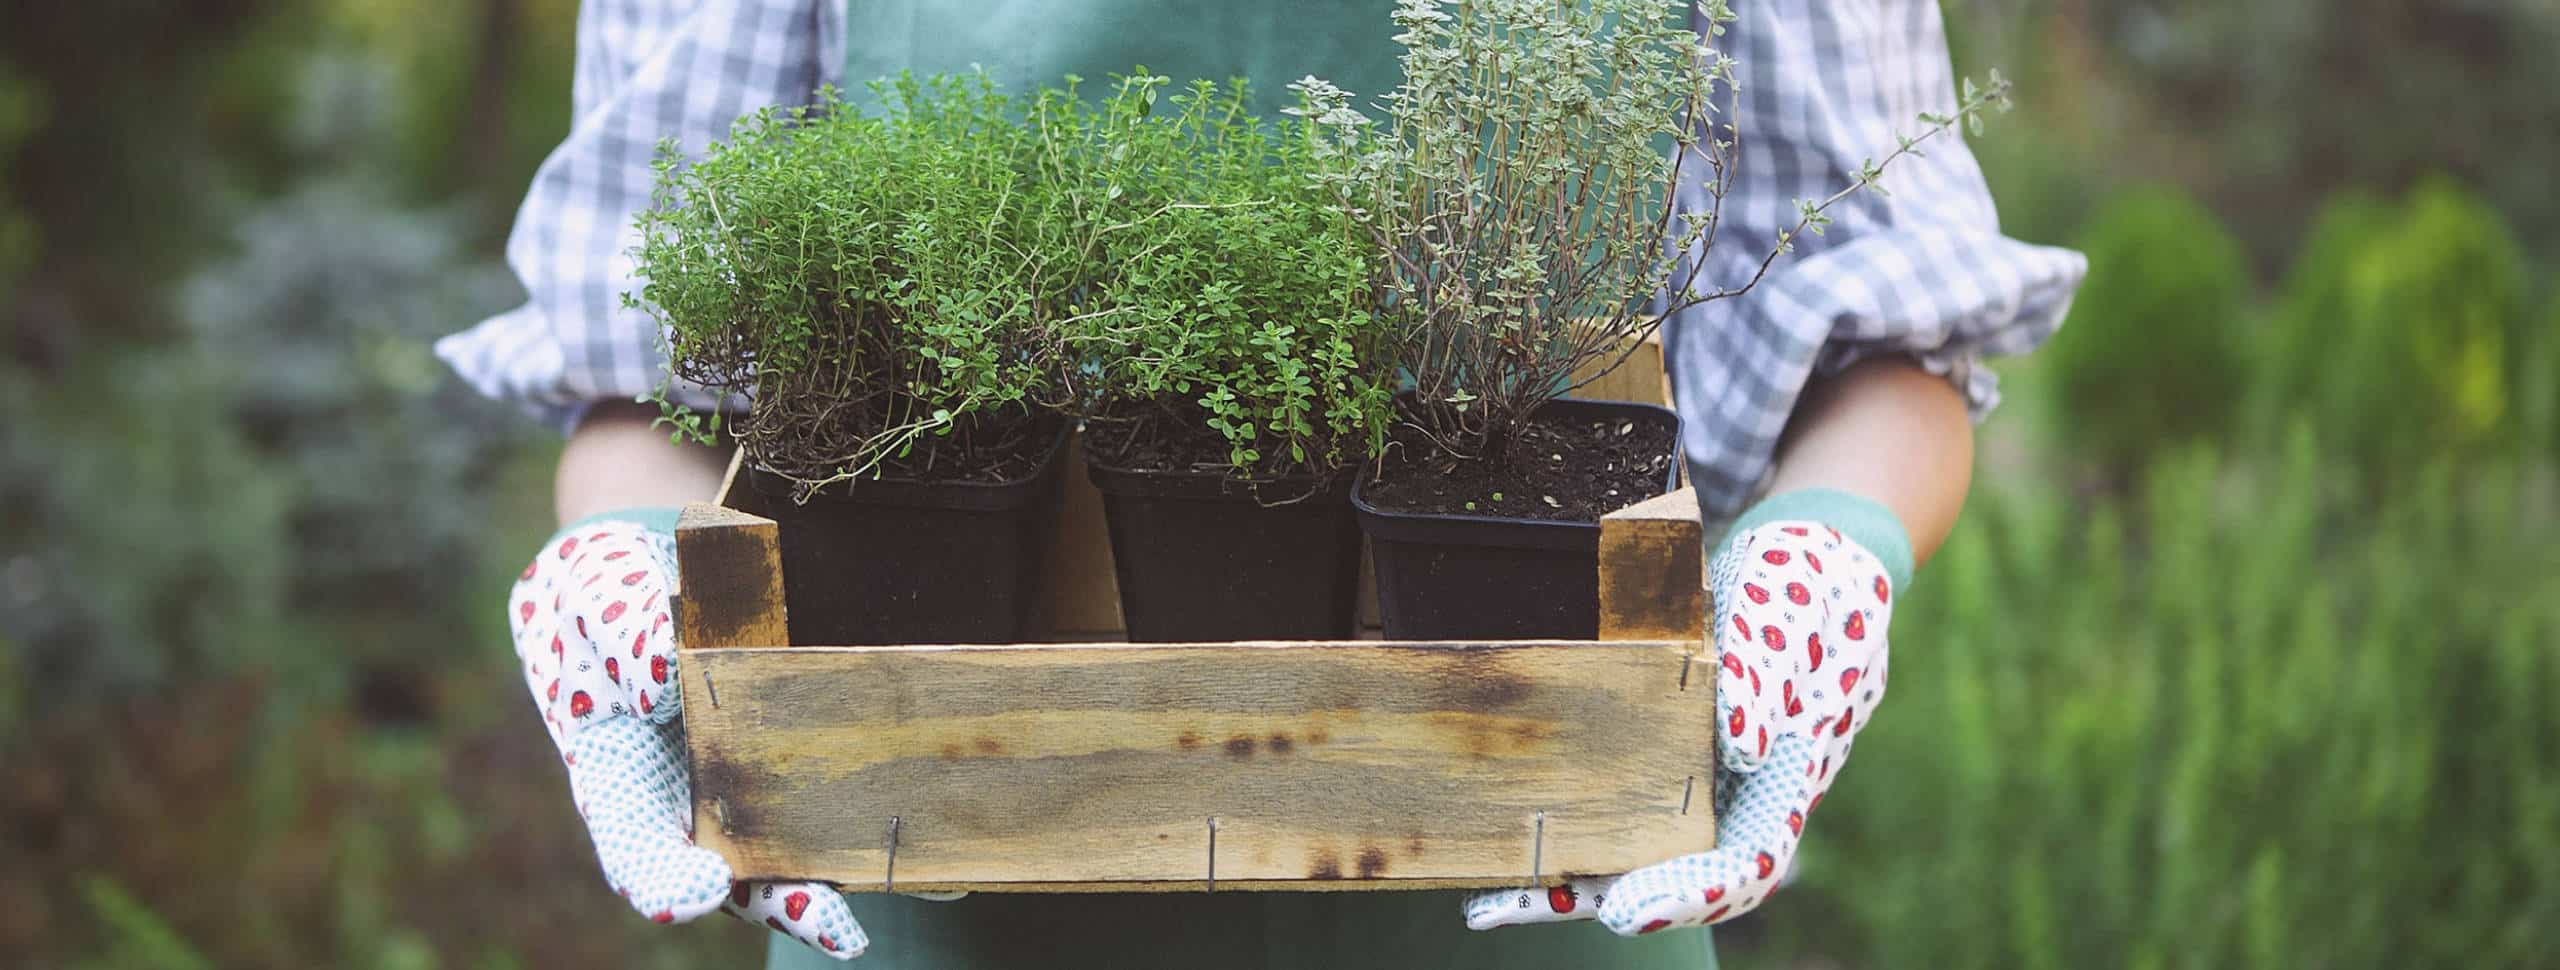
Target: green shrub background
{"x":2260,"y":677}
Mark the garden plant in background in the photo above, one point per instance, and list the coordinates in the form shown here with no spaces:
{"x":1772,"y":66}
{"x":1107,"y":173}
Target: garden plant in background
{"x":2425,"y":297}
{"x":1522,"y":203}
{"x":2251,"y":704}
{"x":1230,"y":365}
{"x":883,"y":290}
{"x":2154,"y":353}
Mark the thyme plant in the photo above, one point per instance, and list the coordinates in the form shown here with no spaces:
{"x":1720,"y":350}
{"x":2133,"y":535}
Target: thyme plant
{"x":1229,"y":328}
{"x":881,"y":290}
{"x":1522,"y":196}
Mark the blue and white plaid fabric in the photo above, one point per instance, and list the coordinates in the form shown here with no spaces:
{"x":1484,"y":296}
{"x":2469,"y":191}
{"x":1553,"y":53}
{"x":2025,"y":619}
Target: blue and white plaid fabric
{"x":1921,"y":270}
{"x":1825,"y":84}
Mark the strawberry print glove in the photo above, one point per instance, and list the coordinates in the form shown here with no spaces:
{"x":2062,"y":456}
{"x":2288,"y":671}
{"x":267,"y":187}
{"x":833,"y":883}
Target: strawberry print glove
{"x":591,"y":625}
{"x":1803,"y":590}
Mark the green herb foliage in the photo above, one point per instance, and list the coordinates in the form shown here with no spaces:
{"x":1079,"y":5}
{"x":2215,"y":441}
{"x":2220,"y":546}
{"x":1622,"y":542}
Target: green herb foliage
{"x":1229,"y":327}
{"x":1522,"y":195}
{"x":880,"y":288}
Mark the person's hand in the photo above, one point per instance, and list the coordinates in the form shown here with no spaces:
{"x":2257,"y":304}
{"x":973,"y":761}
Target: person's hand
{"x":592,"y":626}
{"x":1799,"y":619}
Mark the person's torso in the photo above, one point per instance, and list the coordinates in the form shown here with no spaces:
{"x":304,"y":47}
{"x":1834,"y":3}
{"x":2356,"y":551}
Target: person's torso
{"x":1024,"y":45}
{"x":1028,"y":44}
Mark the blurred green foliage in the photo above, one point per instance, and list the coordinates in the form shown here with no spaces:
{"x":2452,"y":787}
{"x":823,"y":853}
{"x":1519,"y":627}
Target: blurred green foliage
{"x":255,"y":708}
{"x":2267,"y":109}
{"x":2538,"y":389}
{"x":2154,"y":352}
{"x":2271,"y":695}
{"x":2401,"y":331}
{"x":2248,"y":718}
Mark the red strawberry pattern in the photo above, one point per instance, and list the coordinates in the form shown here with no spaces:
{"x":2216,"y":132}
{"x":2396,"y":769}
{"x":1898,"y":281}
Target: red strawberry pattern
{"x":1562,"y":898}
{"x":576,"y":629}
{"x":1774,"y":587}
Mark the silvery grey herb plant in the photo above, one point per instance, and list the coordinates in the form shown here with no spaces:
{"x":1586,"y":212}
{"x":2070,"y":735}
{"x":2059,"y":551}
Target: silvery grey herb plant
{"x":1522,"y":195}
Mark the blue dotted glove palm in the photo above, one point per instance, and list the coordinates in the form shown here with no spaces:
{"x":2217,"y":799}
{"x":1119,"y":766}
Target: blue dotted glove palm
{"x":591,"y":624}
{"x":1799,"y":617}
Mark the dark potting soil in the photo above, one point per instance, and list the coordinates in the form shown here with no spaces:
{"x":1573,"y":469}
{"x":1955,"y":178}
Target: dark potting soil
{"x":1173,"y":437}
{"x":993,"y":448}
{"x":1141,"y":445}
{"x":1562,"y":469}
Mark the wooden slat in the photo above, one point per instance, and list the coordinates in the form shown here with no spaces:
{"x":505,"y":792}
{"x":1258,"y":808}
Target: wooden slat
{"x":1084,"y":589}
{"x":729,"y":580}
{"x":1652,"y":580}
{"x":1098,"y":766}
{"x":734,"y":492}
{"x":1640,"y":377}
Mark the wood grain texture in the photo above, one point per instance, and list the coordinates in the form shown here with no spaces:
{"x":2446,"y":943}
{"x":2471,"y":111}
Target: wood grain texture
{"x":1652,"y":574}
{"x":1639,"y":378}
{"x":1084,"y":589}
{"x":728,"y":580}
{"x":1098,"y":766}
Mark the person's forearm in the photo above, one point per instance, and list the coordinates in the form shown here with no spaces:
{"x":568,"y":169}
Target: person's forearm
{"x":1889,"y":431}
{"x":615,"y":460}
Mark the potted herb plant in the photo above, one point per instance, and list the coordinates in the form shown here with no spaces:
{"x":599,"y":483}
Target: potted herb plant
{"x":1232,"y":368}
{"x":1522,"y":198}
{"x":881,"y":292}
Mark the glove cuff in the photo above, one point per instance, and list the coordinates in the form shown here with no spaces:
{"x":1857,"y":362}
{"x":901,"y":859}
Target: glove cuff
{"x":658,"y":519}
{"x":1860,"y":518}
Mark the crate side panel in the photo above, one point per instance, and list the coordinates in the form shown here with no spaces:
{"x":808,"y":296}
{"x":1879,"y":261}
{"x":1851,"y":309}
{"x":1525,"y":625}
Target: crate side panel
{"x":1325,"y":765}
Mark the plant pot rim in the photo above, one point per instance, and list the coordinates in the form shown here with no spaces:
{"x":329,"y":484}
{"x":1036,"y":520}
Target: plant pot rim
{"x":1195,"y":483}
{"x":1451,"y":527}
{"x":899,"y":490}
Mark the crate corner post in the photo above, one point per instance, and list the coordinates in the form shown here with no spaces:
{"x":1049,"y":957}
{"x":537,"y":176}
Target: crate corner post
{"x":1653,"y":571}
{"x":728,"y":580}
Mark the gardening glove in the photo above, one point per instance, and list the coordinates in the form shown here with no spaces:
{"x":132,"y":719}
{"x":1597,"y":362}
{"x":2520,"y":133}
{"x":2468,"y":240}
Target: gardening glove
{"x":1802,"y":591}
{"x":591,"y":624}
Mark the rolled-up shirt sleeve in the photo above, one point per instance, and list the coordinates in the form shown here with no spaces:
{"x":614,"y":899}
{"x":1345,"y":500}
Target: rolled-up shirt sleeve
{"x":1921,"y":270}
{"x":648,"y":71}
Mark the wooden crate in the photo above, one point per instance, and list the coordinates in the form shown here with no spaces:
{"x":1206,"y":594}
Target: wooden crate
{"x":1084,"y":593}
{"x":1093,"y":766}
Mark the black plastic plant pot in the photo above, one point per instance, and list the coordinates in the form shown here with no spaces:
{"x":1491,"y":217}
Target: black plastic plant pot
{"x":902,"y":561}
{"x":1488,"y":577}
{"x":1203,"y":558}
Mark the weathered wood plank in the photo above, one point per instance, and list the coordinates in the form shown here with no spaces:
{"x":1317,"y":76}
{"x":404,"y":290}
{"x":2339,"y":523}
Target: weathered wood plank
{"x":1639,"y":377}
{"x":1099,"y":766}
{"x":1083,"y":587}
{"x":728,"y":580}
{"x":1652,"y":580}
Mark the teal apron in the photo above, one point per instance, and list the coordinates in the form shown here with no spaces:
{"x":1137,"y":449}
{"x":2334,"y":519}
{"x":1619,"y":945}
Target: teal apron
{"x":1026,"y":44}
